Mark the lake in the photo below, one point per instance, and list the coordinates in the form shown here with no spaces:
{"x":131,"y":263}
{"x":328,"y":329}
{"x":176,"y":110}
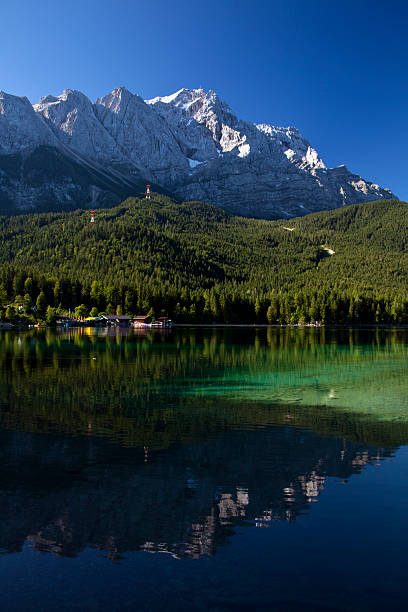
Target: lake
{"x":204,"y":469}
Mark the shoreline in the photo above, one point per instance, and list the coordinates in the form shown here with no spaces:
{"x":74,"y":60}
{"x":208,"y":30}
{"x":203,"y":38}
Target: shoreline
{"x":294,"y":325}
{"x":21,"y":328}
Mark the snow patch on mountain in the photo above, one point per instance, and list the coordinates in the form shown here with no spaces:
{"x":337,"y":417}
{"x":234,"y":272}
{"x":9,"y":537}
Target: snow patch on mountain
{"x":194,"y":163}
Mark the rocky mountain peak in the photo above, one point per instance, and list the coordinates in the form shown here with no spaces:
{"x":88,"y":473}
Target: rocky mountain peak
{"x":20,"y":127}
{"x":192,"y":102}
{"x":45,"y":100}
{"x":14,"y":108}
{"x":178,"y":98}
{"x":203,"y":123}
{"x":141,"y":134}
{"x":116,"y":101}
{"x":72,"y":118}
{"x":295,"y":147}
{"x":8,"y":100}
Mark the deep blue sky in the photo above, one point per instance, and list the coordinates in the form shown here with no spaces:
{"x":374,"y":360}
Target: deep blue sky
{"x":338,"y":71}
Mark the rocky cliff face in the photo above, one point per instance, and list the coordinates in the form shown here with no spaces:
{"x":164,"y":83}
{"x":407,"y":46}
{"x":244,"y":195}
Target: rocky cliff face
{"x":65,"y":152}
{"x":259,"y":170}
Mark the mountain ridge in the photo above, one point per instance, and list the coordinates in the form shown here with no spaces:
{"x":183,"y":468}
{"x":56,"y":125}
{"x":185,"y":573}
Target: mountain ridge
{"x":190,"y":144}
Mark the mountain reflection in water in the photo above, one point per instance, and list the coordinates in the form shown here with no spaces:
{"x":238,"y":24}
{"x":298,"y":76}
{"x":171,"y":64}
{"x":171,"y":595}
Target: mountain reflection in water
{"x":166,"y":443}
{"x":64,"y":494}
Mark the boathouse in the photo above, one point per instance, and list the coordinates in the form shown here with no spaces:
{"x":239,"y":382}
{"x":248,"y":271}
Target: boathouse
{"x":116,"y":320}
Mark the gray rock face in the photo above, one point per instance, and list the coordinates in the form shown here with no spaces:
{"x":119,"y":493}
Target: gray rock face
{"x":20,"y":126}
{"x":258,"y":170}
{"x":72,"y":118}
{"x":56,"y":155}
{"x":142,"y":135}
{"x":65,"y":152}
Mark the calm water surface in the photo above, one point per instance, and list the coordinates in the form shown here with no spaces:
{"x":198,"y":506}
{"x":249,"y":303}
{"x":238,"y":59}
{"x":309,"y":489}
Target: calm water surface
{"x":204,"y":469}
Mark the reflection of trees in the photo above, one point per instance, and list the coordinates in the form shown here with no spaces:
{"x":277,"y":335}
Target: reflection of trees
{"x":66,"y":493}
{"x":137,"y":391}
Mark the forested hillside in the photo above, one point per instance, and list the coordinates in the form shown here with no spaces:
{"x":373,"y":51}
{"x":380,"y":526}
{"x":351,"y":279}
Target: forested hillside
{"x":200,"y":264}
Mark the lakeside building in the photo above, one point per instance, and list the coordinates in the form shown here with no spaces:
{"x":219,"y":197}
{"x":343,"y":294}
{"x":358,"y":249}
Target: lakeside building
{"x":105,"y":320}
{"x":116,"y":320}
{"x":142,"y":321}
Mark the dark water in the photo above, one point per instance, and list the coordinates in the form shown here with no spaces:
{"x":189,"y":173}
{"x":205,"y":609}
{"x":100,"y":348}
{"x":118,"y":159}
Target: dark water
{"x":204,"y":469}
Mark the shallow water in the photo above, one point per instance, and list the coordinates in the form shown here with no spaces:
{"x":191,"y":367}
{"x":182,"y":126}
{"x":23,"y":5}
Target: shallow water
{"x":204,"y":469}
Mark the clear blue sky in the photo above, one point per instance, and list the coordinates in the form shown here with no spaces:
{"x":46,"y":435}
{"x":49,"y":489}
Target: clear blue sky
{"x":338,"y":71}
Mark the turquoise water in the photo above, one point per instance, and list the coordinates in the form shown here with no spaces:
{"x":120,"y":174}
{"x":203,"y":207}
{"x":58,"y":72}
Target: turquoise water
{"x":204,"y":469}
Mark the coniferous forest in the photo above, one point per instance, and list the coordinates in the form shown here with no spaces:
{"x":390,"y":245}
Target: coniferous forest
{"x":200,"y":264}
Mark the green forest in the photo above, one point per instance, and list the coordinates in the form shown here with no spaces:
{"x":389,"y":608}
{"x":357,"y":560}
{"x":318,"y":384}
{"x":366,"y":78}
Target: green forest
{"x":199,"y":264}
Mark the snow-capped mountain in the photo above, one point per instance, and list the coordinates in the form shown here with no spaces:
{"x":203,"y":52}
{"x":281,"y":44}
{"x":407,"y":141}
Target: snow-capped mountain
{"x":65,"y":152}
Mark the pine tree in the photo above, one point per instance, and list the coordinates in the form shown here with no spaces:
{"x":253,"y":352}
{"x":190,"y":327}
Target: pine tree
{"x":41,"y":305}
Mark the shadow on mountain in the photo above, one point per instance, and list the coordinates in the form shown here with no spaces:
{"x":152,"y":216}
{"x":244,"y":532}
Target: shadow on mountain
{"x":46,"y":179}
